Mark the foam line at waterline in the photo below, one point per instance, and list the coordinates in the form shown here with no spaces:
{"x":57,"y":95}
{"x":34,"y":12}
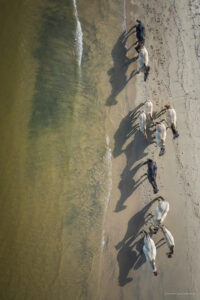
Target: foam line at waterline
{"x":79,"y":35}
{"x":109,"y":186}
{"x":108,"y":163}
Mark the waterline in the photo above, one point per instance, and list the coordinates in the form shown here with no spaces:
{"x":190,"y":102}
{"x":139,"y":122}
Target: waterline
{"x":109,"y":187}
{"x":79,"y":35}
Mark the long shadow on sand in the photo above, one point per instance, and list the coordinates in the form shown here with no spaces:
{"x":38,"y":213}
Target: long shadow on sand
{"x":157,"y":115}
{"x":117,"y":73}
{"x":130,"y":253}
{"x":129,"y":126}
{"x":125,"y":130}
{"x":134,"y":152}
{"x":127,"y":259}
{"x":128,"y":185}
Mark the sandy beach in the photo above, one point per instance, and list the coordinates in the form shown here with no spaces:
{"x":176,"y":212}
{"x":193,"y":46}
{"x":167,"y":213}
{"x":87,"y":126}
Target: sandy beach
{"x":72,"y":192}
{"x":172,"y":40}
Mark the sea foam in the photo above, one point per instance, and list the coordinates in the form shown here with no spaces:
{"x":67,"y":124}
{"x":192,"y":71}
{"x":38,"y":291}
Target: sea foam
{"x":79,"y":35}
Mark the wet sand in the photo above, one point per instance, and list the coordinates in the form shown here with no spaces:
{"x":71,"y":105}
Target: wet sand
{"x":172,"y":40}
{"x":55,"y":241}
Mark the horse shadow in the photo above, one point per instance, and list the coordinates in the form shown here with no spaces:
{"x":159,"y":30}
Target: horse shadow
{"x":151,"y":129}
{"x":130,"y":254}
{"x":128,"y":185}
{"x":134,"y":152}
{"x":132,"y":45}
{"x":157,"y":115}
{"x":129,"y":258}
{"x":126,"y":128}
{"x":160,"y":243}
{"x":117,"y":73}
{"x":135,"y":224}
{"x":131,"y":30}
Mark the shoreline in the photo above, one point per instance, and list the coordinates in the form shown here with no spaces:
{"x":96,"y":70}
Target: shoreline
{"x":124,"y":274}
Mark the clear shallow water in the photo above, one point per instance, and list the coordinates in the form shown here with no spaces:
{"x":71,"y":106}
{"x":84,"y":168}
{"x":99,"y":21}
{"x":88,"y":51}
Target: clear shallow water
{"x":54,"y":179}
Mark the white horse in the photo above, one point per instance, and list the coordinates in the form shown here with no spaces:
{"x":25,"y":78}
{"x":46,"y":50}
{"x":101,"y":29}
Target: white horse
{"x":143,"y":58}
{"x":161,"y":133}
{"x":160,"y":213}
{"x":143,"y":123}
{"x":148,"y":108}
{"x":149,"y":250}
{"x":169,"y":240}
{"x":171,"y":119}
{"x":143,"y":61}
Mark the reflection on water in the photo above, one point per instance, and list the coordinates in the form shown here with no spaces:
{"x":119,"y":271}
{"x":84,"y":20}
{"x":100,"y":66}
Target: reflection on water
{"x":54,"y":170}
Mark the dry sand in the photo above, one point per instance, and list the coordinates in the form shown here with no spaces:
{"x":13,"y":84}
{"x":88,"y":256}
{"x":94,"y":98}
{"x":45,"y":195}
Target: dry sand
{"x":172,"y":40}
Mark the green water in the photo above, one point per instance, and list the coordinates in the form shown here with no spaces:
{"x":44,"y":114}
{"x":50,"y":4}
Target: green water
{"x":53,"y":180}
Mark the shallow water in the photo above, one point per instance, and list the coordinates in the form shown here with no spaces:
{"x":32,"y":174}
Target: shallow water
{"x":55,"y":169}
